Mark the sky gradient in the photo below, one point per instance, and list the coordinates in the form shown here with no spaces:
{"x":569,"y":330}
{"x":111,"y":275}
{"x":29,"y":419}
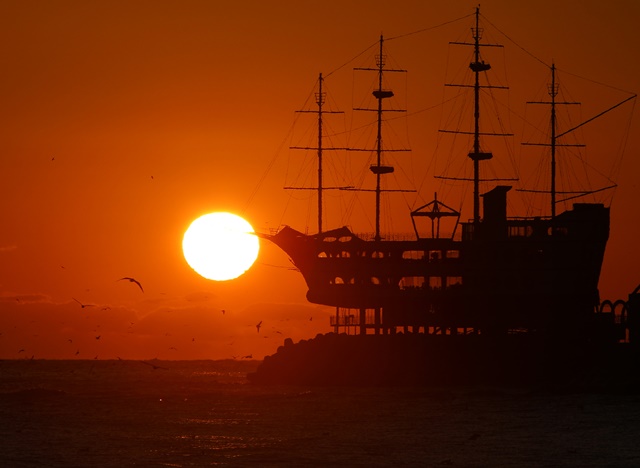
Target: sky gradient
{"x":122,"y":122}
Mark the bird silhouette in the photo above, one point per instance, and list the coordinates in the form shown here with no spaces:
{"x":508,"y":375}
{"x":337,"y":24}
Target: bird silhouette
{"x":81,"y":304}
{"x":153,"y":365}
{"x":258,"y":326}
{"x":132,"y":280}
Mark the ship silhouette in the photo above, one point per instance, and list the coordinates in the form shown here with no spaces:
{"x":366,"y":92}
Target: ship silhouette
{"x":498,"y":289}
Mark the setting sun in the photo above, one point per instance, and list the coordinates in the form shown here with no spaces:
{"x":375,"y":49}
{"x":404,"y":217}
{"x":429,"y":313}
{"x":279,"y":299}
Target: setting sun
{"x":220,"y":246}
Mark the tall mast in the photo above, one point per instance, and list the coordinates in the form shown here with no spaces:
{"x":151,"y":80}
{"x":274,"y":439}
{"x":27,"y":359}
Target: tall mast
{"x":553,"y":91}
{"x":320,"y":99}
{"x":378,"y":170}
{"x":553,"y":140}
{"x":476,"y":154}
{"x":380,"y":94}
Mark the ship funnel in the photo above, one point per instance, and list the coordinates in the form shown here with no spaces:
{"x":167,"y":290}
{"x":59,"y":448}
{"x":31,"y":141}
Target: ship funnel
{"x":494,"y":222}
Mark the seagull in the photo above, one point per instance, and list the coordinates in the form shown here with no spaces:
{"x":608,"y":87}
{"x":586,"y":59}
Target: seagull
{"x":132,"y":280}
{"x":223,"y":311}
{"x":259,"y":325}
{"x":98,"y":337}
{"x":81,"y":304}
{"x":153,"y":365}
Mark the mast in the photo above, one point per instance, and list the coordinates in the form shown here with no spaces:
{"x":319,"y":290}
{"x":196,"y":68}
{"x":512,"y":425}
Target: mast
{"x":378,"y":170}
{"x":380,"y":94}
{"x":320,"y":100}
{"x":476,"y":154}
{"x":477,"y":67}
{"x":553,"y":90}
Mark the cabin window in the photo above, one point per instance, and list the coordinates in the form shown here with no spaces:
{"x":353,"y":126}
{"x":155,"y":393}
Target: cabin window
{"x":413,"y":254}
{"x":560,"y":231}
{"x":435,"y":255}
{"x":345,"y":254}
{"x":329,"y":239}
{"x":377,"y":254}
{"x":409,"y":282}
{"x":344,"y":239}
{"x":454,"y":281}
{"x":375,"y":280}
{"x":435,"y":282}
{"x":337,"y":280}
{"x":453,"y":254}
{"x":322,"y":255}
{"x":520,"y":231}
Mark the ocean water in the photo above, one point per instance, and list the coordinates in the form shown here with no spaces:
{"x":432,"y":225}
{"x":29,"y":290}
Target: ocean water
{"x":204,"y":413}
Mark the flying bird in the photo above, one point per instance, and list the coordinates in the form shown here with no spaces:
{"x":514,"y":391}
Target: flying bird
{"x":132,"y":280}
{"x":154,"y":366}
{"x":258,"y":326}
{"x":81,"y":304}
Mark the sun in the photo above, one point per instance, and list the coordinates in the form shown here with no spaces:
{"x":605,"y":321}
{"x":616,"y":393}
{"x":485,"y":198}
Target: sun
{"x":220,"y":246}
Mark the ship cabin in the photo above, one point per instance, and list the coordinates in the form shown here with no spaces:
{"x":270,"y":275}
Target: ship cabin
{"x":502,"y":276}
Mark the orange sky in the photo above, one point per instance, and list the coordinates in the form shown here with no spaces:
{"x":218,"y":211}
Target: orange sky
{"x":121,"y":122}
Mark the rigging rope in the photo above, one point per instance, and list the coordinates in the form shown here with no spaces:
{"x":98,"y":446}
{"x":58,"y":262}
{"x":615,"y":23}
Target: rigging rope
{"x":430,"y":28}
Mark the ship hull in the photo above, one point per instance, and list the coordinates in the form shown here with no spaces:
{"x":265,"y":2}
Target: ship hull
{"x":502,"y":276}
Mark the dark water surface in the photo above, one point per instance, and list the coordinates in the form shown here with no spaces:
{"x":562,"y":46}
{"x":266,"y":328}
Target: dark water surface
{"x":203,"y":413}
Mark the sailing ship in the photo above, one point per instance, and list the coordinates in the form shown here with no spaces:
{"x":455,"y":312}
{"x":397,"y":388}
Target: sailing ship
{"x":496,"y":276}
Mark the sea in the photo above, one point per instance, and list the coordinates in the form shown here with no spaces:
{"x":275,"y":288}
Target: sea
{"x":206,"y":413}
